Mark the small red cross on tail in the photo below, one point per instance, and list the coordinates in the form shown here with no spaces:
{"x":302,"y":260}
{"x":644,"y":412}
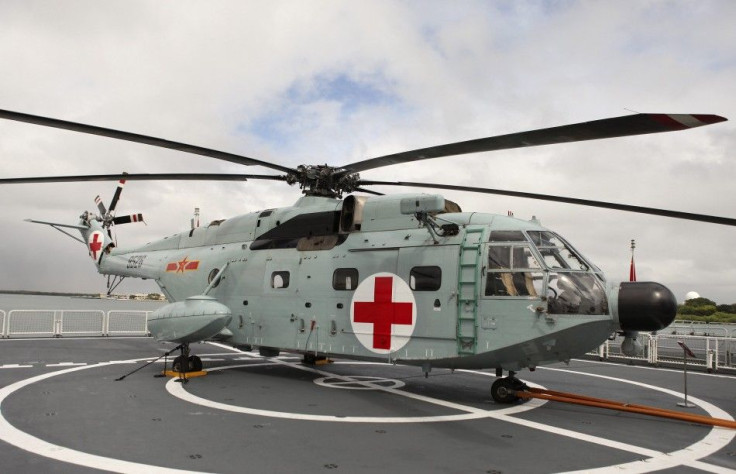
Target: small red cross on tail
{"x":383,"y":313}
{"x":95,"y":241}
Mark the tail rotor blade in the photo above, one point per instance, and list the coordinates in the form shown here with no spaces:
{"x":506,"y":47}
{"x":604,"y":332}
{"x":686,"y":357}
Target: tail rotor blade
{"x":100,"y":206}
{"x":116,"y":197}
{"x":128,"y":219}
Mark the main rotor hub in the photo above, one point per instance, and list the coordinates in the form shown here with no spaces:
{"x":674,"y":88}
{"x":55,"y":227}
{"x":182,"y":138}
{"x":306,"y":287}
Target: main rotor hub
{"x":324,"y":180}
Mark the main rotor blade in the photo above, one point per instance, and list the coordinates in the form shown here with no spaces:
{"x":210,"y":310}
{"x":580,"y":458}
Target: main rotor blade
{"x":143,"y":177}
{"x":583,"y":202}
{"x":638,"y":124}
{"x":368,"y":191}
{"x":134,"y":137}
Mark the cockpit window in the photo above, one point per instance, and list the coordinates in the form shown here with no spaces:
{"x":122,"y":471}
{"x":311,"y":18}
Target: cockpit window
{"x":575,"y":293}
{"x":513,"y":271}
{"x":556,"y":252}
{"x":507,"y":236}
{"x":511,"y":257}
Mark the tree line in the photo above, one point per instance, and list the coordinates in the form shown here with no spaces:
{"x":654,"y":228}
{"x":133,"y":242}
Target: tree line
{"x":703,"y":309}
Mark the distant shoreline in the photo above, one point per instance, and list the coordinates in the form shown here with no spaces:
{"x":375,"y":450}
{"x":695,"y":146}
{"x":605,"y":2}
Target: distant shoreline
{"x":97,"y":296}
{"x":48,"y":293}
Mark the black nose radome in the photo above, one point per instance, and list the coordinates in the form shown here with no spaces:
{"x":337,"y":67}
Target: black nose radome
{"x":645,"y":306}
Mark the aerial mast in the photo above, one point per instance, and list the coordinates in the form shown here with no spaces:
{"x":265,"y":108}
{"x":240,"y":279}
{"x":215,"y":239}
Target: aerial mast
{"x":632,"y":269}
{"x":195,"y":219}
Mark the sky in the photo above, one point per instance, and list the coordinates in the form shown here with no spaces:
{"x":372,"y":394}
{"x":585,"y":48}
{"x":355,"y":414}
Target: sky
{"x":339,"y":81}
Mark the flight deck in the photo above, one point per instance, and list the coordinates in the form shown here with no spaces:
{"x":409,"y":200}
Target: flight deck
{"x":64,"y":411}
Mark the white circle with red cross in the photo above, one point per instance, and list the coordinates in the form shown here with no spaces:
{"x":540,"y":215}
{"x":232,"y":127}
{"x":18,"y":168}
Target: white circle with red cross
{"x":383,"y":313}
{"x":95,"y":241}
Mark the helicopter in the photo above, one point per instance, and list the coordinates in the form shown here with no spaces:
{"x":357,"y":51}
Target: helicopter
{"x":400,"y":278}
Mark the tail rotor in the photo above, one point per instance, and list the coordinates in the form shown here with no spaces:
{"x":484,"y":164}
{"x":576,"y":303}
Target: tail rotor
{"x":100,"y":205}
{"x":128,"y":219}
{"x":107,"y":216}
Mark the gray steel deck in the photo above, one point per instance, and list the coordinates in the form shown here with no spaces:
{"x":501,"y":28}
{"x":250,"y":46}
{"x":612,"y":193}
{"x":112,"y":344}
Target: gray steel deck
{"x":275,"y":415}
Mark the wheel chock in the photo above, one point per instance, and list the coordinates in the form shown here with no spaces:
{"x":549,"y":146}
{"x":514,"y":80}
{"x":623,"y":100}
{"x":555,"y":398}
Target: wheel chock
{"x":189,"y":375}
{"x":312,"y":359}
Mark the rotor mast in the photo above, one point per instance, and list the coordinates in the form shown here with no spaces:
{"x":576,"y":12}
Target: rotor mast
{"x":324,"y":180}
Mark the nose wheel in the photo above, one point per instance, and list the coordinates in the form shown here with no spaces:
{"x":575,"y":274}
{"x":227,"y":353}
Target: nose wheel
{"x":504,"y":389}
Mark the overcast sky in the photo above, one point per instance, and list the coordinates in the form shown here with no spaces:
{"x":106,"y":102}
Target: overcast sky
{"x":340,"y":81}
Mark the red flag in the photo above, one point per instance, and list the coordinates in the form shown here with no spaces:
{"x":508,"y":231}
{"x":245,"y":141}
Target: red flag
{"x":632,"y":270}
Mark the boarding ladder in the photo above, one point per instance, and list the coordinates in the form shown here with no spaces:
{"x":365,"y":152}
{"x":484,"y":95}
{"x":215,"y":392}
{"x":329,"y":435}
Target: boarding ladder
{"x":468,"y":284}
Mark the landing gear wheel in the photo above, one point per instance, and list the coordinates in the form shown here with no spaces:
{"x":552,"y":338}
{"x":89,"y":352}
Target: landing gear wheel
{"x":504,"y":390}
{"x":177,"y":365}
{"x":195,"y":364}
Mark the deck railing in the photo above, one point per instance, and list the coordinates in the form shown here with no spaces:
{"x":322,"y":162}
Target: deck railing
{"x":711,"y":352}
{"x":57,"y":323}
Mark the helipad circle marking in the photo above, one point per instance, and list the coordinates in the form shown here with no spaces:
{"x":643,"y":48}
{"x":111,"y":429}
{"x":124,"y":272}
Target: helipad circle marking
{"x":20,"y":439}
{"x":715,"y":440}
{"x":469,"y":413}
{"x":178,"y":391}
{"x":335,"y":382}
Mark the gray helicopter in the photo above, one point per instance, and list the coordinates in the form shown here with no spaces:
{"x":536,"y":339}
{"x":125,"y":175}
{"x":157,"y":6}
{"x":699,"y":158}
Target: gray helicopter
{"x":401,"y":278}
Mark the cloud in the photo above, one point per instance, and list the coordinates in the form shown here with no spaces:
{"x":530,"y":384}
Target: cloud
{"x":336,"y":82}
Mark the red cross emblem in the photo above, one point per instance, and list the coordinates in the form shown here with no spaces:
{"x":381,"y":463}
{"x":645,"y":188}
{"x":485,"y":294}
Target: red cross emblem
{"x":95,"y":243}
{"x":383,"y":313}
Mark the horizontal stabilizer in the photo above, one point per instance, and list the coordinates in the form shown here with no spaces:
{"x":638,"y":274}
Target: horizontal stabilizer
{"x":54,"y":224}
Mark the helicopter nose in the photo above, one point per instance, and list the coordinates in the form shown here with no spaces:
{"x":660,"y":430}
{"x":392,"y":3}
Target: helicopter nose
{"x":645,"y":306}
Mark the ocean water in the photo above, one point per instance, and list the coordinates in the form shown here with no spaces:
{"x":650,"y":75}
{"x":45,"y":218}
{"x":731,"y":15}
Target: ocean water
{"x":11,"y":302}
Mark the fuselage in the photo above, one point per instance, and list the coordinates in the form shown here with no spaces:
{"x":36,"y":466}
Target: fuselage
{"x":372,"y":282}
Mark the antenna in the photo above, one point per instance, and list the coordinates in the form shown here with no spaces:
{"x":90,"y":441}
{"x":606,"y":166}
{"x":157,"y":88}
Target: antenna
{"x":195,"y":219}
{"x":632,"y":269}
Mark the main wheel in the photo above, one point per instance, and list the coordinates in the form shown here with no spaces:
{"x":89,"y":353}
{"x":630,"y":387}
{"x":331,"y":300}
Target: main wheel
{"x":195,"y":364}
{"x":504,"y":390}
{"x":178,"y":364}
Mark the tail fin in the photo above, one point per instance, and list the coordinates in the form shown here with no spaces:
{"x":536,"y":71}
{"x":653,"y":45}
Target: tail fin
{"x":96,"y":230}
{"x":94,"y":236}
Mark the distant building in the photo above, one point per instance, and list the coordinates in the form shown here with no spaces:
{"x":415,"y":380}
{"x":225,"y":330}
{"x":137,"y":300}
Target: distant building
{"x":136,"y":296}
{"x":691,"y":295}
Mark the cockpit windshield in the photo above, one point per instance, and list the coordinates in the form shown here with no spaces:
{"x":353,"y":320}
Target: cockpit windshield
{"x":555,"y":252}
{"x":555,"y":272}
{"x":575,"y":293}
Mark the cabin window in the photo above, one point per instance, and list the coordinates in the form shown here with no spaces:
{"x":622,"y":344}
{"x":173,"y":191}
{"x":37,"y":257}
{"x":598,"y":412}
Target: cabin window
{"x":425,"y":278}
{"x":513,"y":271}
{"x":345,"y":279}
{"x":280,"y":280}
